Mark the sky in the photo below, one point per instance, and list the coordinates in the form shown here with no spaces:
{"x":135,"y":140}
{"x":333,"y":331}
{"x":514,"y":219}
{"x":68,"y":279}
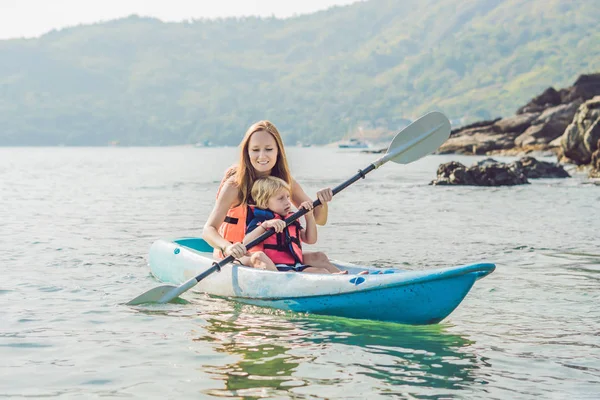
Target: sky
{"x":32,"y":18}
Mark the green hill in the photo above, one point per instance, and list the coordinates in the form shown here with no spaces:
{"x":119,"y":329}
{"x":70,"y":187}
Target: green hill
{"x":318,"y":77}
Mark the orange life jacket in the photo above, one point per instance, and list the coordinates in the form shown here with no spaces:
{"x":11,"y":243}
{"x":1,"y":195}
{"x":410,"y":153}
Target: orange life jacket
{"x":282,"y":248}
{"x":233,"y":228}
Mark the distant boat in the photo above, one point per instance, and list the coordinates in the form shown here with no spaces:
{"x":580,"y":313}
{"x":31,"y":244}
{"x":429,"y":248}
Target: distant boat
{"x":353,"y":144}
{"x":205,"y":143}
{"x":301,"y":144}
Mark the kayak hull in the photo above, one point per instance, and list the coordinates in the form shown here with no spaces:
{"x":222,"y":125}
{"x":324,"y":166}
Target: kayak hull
{"x":417,"y":304}
{"x":409,"y":297}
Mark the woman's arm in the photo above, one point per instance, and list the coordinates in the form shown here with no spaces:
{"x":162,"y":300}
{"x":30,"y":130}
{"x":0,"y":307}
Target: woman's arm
{"x":226,"y":199}
{"x":299,"y":196}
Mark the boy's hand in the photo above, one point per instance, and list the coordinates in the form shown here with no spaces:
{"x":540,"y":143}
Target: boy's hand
{"x":277,"y":224}
{"x":307,"y":205}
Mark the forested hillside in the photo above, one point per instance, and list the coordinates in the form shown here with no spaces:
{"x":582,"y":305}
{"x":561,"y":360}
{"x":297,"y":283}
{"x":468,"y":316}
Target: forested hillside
{"x":320,"y":77}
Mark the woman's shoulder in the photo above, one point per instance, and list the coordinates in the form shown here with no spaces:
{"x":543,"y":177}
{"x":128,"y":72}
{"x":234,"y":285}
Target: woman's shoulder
{"x":229,"y":187}
{"x":229,"y":194}
{"x":295,"y":186}
{"x":230,"y":182}
{"x":231,"y":171}
{"x":229,"y":178}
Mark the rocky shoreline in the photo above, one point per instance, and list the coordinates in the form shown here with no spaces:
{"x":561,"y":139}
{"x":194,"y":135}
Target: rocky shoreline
{"x":490,"y":172}
{"x":565,"y":123}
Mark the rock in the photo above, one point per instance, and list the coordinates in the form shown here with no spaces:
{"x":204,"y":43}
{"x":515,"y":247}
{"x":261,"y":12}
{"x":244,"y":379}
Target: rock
{"x":540,"y":134}
{"x":485,"y":162}
{"x":580,"y":138}
{"x":478,"y":140}
{"x":454,"y":172}
{"x":499,"y":175}
{"x":595,"y":161}
{"x":539,"y":150}
{"x":534,"y":169}
{"x":584,"y":88}
{"x":537,"y":126}
{"x":550,"y":97}
{"x":548,"y":126}
{"x":479,"y":124}
{"x":517,"y":124}
{"x":490,"y":172}
{"x":563,"y":113}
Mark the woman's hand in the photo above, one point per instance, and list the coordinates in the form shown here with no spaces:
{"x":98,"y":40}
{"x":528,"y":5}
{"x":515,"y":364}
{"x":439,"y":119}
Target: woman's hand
{"x":237,"y":250}
{"x":277,"y":224}
{"x":325,"y":195}
{"x":308,"y":205}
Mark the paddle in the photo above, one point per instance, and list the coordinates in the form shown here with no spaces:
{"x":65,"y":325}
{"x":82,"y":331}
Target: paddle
{"x":417,"y":140}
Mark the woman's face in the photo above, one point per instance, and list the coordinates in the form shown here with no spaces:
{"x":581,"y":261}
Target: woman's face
{"x":262,"y":150}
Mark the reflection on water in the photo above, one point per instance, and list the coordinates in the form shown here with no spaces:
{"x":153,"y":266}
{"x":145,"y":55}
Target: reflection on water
{"x":283,"y":355}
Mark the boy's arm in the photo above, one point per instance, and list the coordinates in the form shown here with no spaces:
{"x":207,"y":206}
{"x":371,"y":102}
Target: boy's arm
{"x":256,"y":232}
{"x":309,"y":234}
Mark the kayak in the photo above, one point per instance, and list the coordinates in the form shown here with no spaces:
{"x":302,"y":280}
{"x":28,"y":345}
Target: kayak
{"x":385,"y":294}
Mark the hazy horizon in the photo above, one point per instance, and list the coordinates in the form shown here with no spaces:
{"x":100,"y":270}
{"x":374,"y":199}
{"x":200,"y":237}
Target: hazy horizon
{"x":34,"y":18}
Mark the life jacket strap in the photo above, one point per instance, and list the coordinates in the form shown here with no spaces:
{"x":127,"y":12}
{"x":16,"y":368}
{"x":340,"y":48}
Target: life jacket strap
{"x":230,"y":220}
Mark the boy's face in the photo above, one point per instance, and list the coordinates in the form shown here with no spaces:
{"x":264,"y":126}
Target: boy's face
{"x":280,"y":202}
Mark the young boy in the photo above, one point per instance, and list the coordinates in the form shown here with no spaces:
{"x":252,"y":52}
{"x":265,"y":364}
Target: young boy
{"x":283,"y":250}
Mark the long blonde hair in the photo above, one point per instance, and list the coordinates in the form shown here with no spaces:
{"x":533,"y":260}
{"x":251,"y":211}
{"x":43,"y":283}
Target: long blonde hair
{"x":265,"y":188}
{"x":245,"y":175}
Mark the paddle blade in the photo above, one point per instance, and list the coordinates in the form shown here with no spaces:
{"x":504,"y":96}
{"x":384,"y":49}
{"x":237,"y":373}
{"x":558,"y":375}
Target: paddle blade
{"x":155,"y":295}
{"x":422,"y":137}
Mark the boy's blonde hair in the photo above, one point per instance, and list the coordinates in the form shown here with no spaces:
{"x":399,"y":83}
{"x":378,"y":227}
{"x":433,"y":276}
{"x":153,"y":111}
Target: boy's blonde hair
{"x":264,"y":188}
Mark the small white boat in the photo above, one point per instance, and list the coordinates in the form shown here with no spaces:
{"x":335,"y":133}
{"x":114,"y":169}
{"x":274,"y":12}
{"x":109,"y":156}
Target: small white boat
{"x":353,"y":143}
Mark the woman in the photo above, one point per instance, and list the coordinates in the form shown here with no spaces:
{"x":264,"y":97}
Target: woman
{"x":262,"y":154}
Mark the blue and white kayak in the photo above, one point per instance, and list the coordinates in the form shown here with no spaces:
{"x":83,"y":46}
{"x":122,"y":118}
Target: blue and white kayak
{"x":409,"y":297}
